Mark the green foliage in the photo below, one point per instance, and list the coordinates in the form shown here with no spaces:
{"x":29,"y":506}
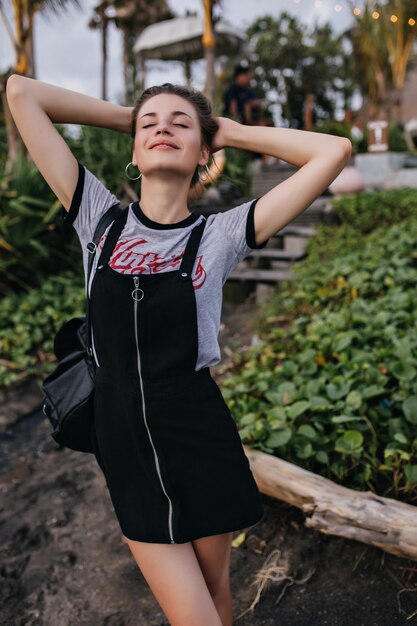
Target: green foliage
{"x":236,"y":170}
{"x":105,"y":152}
{"x":294,"y":60}
{"x":333,"y":387}
{"x":396,"y":139}
{"x":333,"y":127}
{"x":33,"y":239}
{"x":367,"y":211}
{"x":29,"y":322}
{"x":30,"y":240}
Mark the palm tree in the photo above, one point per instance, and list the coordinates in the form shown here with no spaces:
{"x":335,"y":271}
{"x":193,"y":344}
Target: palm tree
{"x":21,"y":32}
{"x":21,"y":37}
{"x":398,"y":28}
{"x":100,"y":19}
{"x":382,"y":38}
{"x":131,"y":17}
{"x":209,"y":45}
{"x":370,"y":55}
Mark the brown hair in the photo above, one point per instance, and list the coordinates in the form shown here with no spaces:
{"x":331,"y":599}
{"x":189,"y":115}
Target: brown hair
{"x":208,"y":123}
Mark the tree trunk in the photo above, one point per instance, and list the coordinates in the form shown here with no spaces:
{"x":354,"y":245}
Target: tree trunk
{"x":395,"y":105}
{"x":126,"y":63}
{"x":335,"y":510}
{"x":142,"y":73}
{"x":209,"y":46}
{"x":104,"y":25}
{"x":11,"y":131}
{"x":210,"y":85}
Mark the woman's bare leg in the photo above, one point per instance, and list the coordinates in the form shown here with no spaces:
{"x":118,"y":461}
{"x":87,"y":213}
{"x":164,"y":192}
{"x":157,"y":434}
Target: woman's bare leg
{"x":174,"y":576}
{"x":213,"y":554}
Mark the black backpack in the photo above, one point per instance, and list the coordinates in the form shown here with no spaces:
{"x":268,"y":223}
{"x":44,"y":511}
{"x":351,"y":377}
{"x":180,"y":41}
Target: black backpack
{"x":68,"y":391}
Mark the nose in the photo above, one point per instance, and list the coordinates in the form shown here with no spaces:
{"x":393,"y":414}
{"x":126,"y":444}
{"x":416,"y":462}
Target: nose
{"x":162,"y":127}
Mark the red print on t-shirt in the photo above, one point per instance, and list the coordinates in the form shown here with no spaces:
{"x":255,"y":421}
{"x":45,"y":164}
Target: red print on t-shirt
{"x":127,"y":258}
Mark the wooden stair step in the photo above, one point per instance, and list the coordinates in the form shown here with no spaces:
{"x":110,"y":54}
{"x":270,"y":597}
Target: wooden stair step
{"x":275,"y":254}
{"x":297,"y":231}
{"x":274,"y":276}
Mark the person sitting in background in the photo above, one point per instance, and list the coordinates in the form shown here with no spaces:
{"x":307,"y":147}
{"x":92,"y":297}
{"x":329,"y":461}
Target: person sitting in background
{"x":240,"y":101}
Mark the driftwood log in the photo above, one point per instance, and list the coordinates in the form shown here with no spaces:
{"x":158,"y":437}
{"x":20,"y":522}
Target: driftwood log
{"x":335,"y":510}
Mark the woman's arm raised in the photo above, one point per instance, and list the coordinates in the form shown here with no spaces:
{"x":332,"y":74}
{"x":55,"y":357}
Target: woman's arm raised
{"x":320,"y":157}
{"x":36,"y":106}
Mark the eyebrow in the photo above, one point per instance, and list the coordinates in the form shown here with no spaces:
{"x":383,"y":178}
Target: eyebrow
{"x":174,"y":113}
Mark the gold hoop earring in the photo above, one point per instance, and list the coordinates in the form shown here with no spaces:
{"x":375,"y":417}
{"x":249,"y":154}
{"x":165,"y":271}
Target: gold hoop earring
{"x":130,"y":178}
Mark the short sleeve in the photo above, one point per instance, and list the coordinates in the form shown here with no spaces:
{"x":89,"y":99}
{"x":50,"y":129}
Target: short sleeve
{"x":238,"y":227}
{"x":90,"y":201}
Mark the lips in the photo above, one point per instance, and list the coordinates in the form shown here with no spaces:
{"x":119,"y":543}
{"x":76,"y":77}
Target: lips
{"x":164,"y":143}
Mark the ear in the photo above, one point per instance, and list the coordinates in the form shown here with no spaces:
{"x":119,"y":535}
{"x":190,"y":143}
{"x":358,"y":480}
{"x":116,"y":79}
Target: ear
{"x":205,"y":153}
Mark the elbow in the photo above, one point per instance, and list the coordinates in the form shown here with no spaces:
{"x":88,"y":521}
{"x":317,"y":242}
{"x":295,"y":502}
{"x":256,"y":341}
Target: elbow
{"x":345,"y":148}
{"x":14,"y":86}
{"x":341,"y":150}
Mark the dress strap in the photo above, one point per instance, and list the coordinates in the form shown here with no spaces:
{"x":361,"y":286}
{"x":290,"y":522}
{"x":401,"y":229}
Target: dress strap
{"x":190,"y":253}
{"x":111,"y":240}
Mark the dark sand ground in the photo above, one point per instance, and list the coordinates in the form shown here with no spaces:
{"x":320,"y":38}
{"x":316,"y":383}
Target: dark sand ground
{"x":62,"y":560}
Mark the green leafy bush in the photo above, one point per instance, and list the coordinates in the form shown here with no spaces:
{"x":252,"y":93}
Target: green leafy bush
{"x":334,"y":127}
{"x":333,"y":387}
{"x":396,"y":139}
{"x":366,"y":211}
{"x":29,"y":322}
{"x":33,"y":239}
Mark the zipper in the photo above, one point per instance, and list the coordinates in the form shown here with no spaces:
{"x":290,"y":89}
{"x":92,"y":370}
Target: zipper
{"x":137,"y":295}
{"x":94,"y":348}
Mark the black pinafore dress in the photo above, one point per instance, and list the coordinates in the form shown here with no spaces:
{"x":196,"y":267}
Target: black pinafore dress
{"x":162,"y":434}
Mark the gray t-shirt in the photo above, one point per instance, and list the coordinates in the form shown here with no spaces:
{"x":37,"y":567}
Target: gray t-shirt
{"x":146,"y":246}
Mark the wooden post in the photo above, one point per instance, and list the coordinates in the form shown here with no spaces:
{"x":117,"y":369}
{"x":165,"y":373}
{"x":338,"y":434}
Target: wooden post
{"x":209,"y":45}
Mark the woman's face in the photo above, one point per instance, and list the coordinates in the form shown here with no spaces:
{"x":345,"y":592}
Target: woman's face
{"x":172,"y":119}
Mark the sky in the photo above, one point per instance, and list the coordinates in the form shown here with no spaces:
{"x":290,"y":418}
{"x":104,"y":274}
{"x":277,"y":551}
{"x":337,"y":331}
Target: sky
{"x":67,"y":52}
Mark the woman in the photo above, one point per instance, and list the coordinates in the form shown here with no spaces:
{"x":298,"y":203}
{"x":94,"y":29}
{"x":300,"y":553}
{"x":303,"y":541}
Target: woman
{"x":163,"y":436}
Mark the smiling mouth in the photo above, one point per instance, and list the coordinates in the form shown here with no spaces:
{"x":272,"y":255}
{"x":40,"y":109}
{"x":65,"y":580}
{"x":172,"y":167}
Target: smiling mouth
{"x":163,"y":145}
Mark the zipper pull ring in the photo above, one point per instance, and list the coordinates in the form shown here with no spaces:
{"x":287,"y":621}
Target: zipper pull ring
{"x":137,"y":293}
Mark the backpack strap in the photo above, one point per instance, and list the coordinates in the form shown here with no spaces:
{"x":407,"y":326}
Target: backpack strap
{"x":111,"y":240}
{"x":188,"y":259}
{"x":113,"y":214}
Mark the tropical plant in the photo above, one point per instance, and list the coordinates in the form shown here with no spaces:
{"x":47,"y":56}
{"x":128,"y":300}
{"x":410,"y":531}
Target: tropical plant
{"x":32,"y":235}
{"x":398,"y":28}
{"x":20,"y":32}
{"x":30,"y":243}
{"x":293,"y":60}
{"x":131,"y":17}
{"x":332,"y":383}
{"x":382,"y":39}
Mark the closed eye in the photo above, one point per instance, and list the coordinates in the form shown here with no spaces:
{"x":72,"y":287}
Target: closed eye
{"x":183,"y":125}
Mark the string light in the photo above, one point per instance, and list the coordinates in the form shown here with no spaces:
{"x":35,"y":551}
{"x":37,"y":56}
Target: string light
{"x":357,"y":12}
